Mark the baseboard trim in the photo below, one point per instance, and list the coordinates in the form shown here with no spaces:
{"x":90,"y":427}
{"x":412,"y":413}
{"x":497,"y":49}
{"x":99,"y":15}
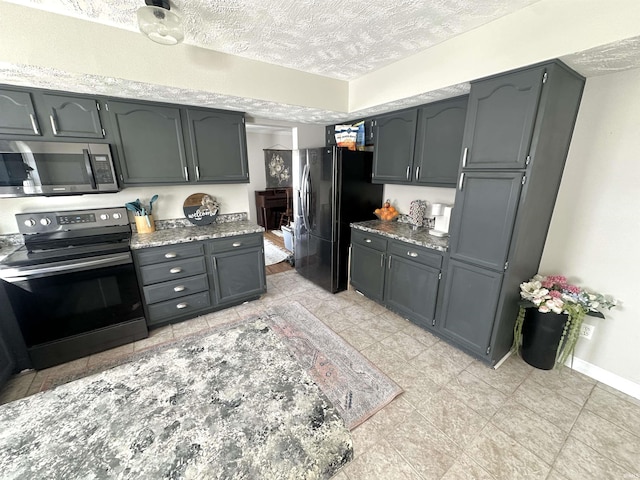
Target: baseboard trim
{"x":604,"y":376}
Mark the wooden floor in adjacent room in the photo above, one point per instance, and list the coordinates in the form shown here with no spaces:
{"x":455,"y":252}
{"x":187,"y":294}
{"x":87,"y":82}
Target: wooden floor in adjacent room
{"x":278,"y":267}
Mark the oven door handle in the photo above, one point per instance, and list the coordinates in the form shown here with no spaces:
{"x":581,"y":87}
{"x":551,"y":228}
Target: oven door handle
{"x":14,"y":275}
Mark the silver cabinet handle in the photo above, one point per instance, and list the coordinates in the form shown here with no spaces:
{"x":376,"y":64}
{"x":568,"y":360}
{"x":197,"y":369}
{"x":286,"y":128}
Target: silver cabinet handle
{"x":236,"y":244}
{"x":412,"y":254}
{"x":33,"y":124}
{"x":408,"y":171}
{"x":417,"y":173}
{"x":53,"y":125}
{"x":186,"y":174}
{"x":179,"y":288}
{"x":170,"y":255}
{"x":382,"y":260}
{"x":215,"y":263}
{"x":197,"y":172}
{"x":175,"y":270}
{"x":389,"y":266}
{"x":465,"y":153}
{"x":461,"y":181}
{"x":367,"y":240}
{"x":180,"y":306}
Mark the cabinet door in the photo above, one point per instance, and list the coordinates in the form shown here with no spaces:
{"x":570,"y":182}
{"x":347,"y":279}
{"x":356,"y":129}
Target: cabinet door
{"x":238,"y":275}
{"x":412,"y":289}
{"x":149,"y":143}
{"x":73,"y":117}
{"x":17,"y":116}
{"x":218,"y":146}
{"x":439,"y":142}
{"x":395,"y":136}
{"x":367,"y":271}
{"x":500,"y":119}
{"x":483,"y":217}
{"x":469,"y":305}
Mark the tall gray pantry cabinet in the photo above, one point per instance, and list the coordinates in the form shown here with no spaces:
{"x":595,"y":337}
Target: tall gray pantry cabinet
{"x":517,"y":134}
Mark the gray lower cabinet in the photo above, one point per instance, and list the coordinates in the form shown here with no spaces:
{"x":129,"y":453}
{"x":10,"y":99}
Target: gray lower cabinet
{"x":17,"y":114}
{"x":184,"y":280}
{"x":412,"y":282}
{"x":402,"y":276}
{"x":470,"y":302}
{"x":149,"y":142}
{"x":218,"y":146}
{"x":73,"y":116}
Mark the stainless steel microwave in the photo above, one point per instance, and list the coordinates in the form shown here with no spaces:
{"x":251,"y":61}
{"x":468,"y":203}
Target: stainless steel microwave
{"x":55,"y":168}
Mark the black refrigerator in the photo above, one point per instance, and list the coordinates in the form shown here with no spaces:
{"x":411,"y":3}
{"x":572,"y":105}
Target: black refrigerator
{"x":333,"y":188}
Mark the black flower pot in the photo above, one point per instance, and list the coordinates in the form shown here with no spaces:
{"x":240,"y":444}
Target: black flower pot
{"x":541,"y":333}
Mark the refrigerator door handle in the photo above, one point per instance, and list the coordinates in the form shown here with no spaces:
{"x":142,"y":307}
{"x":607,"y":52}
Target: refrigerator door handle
{"x":304,"y":190}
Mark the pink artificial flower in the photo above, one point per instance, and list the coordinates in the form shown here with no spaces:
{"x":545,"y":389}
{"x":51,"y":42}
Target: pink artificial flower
{"x":555,"y":294}
{"x":548,"y":283}
{"x":573,"y":289}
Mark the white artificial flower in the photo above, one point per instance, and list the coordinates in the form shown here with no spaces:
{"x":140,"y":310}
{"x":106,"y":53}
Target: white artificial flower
{"x":543,"y":308}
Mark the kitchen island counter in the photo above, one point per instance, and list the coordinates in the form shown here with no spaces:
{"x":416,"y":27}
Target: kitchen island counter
{"x":404,"y":232}
{"x":184,"y":234}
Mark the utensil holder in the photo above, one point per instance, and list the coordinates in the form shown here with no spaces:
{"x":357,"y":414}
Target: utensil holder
{"x":145,"y":224}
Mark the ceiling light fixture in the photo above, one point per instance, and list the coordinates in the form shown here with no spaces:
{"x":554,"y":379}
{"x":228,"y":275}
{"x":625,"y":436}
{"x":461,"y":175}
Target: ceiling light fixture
{"x":159,"y":23}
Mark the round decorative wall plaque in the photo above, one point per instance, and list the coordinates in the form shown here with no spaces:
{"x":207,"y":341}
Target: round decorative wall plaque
{"x":201,"y":208}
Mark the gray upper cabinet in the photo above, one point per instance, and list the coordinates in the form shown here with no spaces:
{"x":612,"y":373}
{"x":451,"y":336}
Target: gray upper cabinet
{"x":500,"y":120}
{"x":17,"y":115}
{"x":73,"y":117}
{"x":439,"y":142}
{"x":218,"y":146}
{"x":395,"y":136}
{"x":149,"y":143}
{"x":470,"y":300}
{"x":483,"y":217}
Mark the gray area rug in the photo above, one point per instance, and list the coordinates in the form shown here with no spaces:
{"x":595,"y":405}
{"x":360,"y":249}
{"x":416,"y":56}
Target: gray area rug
{"x":233,"y":404}
{"x":273,"y":254}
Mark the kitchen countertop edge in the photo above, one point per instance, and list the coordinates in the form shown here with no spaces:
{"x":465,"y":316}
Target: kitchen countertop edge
{"x":172,"y":236}
{"x":405,"y":233}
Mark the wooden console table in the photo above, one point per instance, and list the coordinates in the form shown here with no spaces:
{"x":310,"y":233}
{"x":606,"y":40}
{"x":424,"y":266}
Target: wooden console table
{"x":269,"y":205}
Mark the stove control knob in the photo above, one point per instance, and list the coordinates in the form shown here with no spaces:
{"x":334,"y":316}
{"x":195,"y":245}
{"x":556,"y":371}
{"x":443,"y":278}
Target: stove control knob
{"x":104,"y":216}
{"x":45,"y":221}
{"x":117,"y":216}
{"x":29,"y":222}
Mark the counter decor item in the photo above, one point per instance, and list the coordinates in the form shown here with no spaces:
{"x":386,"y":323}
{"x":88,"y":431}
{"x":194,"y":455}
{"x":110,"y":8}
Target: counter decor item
{"x":201,"y":208}
{"x":142,"y":215}
{"x":387,"y":213}
{"x":417,"y":212}
{"x":550,"y":318}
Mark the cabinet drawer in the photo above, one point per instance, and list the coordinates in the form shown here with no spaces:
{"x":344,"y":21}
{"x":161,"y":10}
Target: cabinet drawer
{"x":172,"y":270}
{"x":172,"y":252}
{"x":367,"y":239}
{"x":234,"y":243}
{"x":418,"y":254}
{"x":178,"y":307}
{"x":175,"y":289}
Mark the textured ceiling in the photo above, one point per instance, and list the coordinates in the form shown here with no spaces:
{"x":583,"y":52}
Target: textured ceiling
{"x":334,"y":38}
{"x":328,"y":37}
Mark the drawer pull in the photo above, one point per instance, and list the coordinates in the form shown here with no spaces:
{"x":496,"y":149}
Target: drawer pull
{"x":236,"y":244}
{"x":367,"y":240}
{"x":412,"y":254}
{"x":175,"y":270}
{"x":179,"y":288}
{"x":170,"y":255}
{"x":180,"y":306}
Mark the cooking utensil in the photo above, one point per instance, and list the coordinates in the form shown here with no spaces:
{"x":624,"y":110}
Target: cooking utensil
{"x":132,"y":207}
{"x":153,"y":199}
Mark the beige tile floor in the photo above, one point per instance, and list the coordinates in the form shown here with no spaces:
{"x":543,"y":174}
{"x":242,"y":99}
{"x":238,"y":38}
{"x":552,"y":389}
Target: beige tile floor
{"x":457,"y":419}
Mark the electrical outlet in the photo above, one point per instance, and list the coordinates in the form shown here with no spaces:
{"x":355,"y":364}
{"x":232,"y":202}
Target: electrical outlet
{"x":586,"y":331}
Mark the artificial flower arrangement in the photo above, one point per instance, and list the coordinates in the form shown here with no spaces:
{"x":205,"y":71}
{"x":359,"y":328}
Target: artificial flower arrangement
{"x":553,"y":293}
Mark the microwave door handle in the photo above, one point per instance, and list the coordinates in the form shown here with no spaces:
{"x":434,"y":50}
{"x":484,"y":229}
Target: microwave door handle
{"x":87,"y":164}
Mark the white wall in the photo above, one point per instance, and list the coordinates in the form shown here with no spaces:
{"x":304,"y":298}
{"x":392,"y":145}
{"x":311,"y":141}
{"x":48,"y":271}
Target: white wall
{"x":401,"y":196}
{"x":256,"y":143}
{"x":596,"y":221}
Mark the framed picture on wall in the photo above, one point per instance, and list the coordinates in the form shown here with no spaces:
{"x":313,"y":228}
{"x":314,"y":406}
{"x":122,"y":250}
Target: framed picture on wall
{"x":277,"y":164}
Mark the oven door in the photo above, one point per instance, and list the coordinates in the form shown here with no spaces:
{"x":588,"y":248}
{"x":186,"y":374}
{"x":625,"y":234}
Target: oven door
{"x":69,"y":309}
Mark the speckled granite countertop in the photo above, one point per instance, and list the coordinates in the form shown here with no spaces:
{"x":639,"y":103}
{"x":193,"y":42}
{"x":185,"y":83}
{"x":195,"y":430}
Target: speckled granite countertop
{"x":404,"y":232}
{"x":171,"y":236}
